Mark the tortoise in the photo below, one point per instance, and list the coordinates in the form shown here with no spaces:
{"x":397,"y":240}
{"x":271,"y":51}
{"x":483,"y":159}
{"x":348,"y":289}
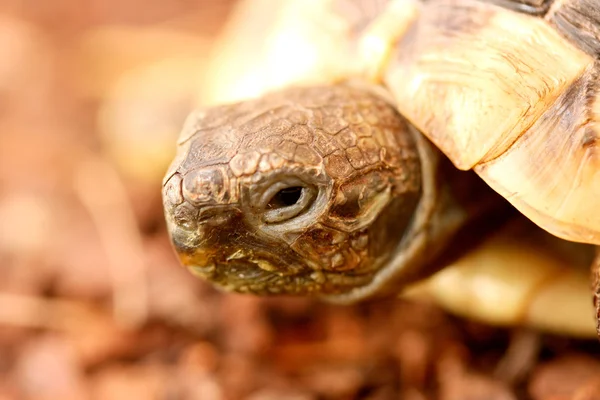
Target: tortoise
{"x":388,"y":151}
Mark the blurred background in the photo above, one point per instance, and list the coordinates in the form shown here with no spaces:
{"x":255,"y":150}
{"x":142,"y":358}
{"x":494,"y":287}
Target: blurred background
{"x":93,"y":304}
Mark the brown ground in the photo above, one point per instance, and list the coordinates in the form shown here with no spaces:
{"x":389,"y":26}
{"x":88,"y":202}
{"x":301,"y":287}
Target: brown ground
{"x":93,"y":304}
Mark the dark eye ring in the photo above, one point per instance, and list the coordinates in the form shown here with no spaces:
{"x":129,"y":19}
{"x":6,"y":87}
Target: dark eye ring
{"x":286,"y":201}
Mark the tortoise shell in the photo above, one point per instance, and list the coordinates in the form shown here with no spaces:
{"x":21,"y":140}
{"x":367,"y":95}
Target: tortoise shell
{"x":510,"y":89}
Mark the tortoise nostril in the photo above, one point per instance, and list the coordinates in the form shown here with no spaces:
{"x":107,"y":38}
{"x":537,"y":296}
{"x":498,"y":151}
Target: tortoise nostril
{"x":286,"y":197}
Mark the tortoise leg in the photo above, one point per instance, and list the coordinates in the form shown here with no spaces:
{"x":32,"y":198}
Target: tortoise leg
{"x":521,"y":356}
{"x":521,"y":276}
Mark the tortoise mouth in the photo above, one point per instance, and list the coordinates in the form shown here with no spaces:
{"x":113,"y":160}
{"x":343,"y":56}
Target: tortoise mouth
{"x":236,"y":258}
{"x":250,"y":277}
{"x":269,"y":274}
{"x":243,"y":267}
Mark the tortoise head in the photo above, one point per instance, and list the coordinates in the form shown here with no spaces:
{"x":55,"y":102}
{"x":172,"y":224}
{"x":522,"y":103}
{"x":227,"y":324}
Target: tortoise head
{"x":304,"y":191}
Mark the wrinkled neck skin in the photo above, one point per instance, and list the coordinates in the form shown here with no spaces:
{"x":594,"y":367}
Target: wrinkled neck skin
{"x":457,"y":211}
{"x":322,"y":191}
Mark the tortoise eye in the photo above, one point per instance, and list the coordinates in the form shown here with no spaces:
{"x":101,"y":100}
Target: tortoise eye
{"x":287,"y":201}
{"x":286,"y":197}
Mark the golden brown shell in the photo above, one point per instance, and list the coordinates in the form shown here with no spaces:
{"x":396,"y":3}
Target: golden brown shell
{"x":510,"y":89}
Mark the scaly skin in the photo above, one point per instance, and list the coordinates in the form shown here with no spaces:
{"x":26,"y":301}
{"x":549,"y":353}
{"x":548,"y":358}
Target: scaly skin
{"x":322,"y":190}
